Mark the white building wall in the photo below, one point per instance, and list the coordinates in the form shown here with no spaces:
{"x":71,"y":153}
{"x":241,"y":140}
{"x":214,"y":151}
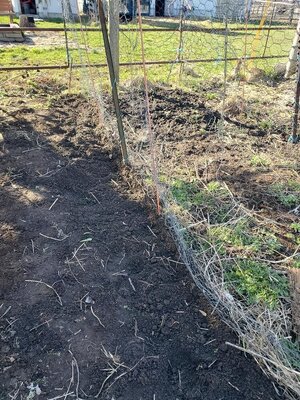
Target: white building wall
{"x":53,"y":8}
{"x":16,"y":6}
{"x":152,"y":8}
{"x":231,"y":9}
{"x":50,"y":8}
{"x":197,"y":8}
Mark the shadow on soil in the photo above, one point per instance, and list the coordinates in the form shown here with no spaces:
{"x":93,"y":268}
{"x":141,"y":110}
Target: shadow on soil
{"x":93,"y":300}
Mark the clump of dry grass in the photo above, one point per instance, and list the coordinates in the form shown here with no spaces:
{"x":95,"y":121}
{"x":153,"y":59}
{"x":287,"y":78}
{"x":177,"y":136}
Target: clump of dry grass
{"x":264,"y":329}
{"x":235,"y":105}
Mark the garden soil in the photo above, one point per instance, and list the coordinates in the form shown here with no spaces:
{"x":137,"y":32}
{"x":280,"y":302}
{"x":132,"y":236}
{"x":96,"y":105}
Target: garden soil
{"x":94,"y":300}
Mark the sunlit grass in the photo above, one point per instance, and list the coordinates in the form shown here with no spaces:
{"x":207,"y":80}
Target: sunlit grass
{"x":159,"y":46}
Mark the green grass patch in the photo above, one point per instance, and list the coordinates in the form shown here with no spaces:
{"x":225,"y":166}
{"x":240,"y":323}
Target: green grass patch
{"x":245,"y":238}
{"x":235,"y":236}
{"x":159,"y":45}
{"x":287,"y":194}
{"x":210,"y":198}
{"x":292,"y":352}
{"x":259,"y":161}
{"x":257,"y":283}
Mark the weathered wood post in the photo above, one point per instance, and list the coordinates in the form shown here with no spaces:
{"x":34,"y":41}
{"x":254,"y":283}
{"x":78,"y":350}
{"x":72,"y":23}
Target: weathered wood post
{"x":113,"y":24}
{"x":113,"y":82}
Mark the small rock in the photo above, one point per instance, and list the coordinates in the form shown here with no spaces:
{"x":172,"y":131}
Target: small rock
{"x":165,"y":331}
{"x":38,"y":390}
{"x":1,"y":138}
{"x":89,"y":300}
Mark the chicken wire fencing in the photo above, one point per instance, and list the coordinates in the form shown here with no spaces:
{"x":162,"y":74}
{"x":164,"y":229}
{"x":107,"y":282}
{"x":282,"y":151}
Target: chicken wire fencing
{"x":230,"y":55}
{"x":196,"y":44}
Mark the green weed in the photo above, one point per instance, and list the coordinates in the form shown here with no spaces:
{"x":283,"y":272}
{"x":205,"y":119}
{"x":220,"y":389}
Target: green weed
{"x":265,"y":124}
{"x":245,"y":238}
{"x":211,"y":96}
{"x":211,"y":199}
{"x":288,"y":194}
{"x":295,"y":226}
{"x":266,"y":242}
{"x":236,"y":235}
{"x":295,"y":263}
{"x":257,"y":283}
{"x":259,"y":161}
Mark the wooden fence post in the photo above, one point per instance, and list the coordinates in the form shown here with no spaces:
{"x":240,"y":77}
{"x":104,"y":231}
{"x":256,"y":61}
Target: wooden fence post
{"x":113,"y":23}
{"x":113,"y":82}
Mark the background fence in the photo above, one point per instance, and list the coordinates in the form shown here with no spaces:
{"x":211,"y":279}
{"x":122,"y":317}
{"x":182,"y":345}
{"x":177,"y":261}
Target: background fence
{"x":191,"y":38}
{"x":215,"y":48}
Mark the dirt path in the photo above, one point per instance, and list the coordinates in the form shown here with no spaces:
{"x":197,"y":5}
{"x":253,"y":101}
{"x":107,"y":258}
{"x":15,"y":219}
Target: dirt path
{"x":116,"y":315}
{"x":39,"y":39}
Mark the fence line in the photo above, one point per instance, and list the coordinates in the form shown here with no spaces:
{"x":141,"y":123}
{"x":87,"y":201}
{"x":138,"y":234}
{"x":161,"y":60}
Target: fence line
{"x":190,"y":29}
{"x":138,"y":63}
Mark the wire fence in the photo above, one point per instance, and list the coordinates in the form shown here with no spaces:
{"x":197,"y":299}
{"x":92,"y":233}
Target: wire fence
{"x":186,"y":38}
{"x":231,"y":54}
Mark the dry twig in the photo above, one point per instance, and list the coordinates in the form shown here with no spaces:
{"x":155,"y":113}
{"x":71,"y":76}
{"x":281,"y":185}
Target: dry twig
{"x":48,"y":286}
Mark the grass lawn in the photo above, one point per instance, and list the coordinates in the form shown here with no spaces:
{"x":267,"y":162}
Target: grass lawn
{"x":158,"y":46}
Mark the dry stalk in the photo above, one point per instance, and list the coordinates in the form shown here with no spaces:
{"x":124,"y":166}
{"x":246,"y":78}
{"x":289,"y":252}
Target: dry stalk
{"x":53,"y":238}
{"x":48,"y":286}
{"x":97,"y":318}
{"x":5,"y":312}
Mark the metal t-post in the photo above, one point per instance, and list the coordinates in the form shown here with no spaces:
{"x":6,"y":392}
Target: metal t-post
{"x":113,"y":82}
{"x":294,"y":138}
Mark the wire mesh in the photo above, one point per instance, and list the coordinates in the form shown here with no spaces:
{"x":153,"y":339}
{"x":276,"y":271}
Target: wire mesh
{"x":230,"y":54}
{"x":239,"y":48}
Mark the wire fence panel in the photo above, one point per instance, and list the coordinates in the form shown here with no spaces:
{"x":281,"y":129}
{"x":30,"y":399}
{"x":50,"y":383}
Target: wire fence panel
{"x":198,"y":80}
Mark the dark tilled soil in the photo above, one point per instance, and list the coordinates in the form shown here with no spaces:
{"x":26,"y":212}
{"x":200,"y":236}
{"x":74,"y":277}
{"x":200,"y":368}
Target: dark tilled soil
{"x":247,"y":155}
{"x":190,"y":141}
{"x":93,"y":299}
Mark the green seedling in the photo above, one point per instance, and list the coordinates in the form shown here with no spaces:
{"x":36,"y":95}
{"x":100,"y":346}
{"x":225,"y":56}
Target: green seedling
{"x":259,"y":161}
